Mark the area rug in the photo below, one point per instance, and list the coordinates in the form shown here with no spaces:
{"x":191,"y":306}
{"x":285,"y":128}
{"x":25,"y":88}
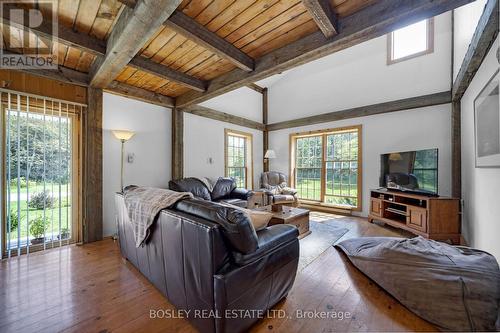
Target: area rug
{"x":323,"y":235}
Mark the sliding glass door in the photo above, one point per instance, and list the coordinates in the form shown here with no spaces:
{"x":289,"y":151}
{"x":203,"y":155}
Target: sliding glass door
{"x":40,"y":182}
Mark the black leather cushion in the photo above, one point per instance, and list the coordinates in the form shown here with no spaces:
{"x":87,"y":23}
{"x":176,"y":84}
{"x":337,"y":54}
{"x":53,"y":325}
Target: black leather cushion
{"x":193,"y":185}
{"x":271,"y":238}
{"x":236,"y":202}
{"x":236,"y":224}
{"x":223,"y":188}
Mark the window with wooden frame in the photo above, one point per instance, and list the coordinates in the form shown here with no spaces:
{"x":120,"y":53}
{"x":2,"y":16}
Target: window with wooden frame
{"x":326,"y":167}
{"x":409,"y":42}
{"x":239,"y":157}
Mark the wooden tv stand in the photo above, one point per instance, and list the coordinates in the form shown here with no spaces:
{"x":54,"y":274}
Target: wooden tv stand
{"x":435,"y":218}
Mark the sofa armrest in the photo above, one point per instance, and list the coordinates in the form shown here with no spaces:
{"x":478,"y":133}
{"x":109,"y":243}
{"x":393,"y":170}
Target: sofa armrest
{"x":241,"y":193}
{"x":270,"y":239}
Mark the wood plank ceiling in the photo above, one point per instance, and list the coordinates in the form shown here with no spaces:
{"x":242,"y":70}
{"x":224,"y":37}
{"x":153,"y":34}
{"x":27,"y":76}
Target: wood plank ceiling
{"x":254,"y":27}
{"x":206,"y":46}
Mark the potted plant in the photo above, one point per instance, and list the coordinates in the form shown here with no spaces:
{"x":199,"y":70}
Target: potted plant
{"x":64,"y":233}
{"x":38,"y":227}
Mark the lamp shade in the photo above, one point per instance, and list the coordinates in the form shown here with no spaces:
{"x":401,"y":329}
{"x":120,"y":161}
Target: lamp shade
{"x":123,"y":134}
{"x":270,"y":154}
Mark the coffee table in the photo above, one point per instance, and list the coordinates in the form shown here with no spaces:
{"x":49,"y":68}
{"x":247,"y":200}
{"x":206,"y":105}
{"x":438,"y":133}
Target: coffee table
{"x":298,"y":217}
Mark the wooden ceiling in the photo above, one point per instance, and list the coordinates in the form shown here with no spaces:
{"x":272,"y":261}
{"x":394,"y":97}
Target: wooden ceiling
{"x":203,"y":40}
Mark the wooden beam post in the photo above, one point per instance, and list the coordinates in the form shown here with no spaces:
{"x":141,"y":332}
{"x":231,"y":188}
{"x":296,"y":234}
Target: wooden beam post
{"x":323,"y":15}
{"x":92,"y":167}
{"x":177,"y":143}
{"x":456,"y":150}
{"x":368,"y":110}
{"x":484,"y":36}
{"x":203,"y":111}
{"x":265,"y":139}
{"x":132,"y":30}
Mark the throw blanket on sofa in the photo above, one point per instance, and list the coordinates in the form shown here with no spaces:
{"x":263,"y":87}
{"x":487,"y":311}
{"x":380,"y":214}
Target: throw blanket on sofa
{"x":143,"y":205}
{"x":455,"y":288}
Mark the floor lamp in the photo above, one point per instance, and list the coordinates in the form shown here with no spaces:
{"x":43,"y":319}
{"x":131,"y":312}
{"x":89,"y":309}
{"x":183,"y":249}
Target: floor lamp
{"x":123,"y":136}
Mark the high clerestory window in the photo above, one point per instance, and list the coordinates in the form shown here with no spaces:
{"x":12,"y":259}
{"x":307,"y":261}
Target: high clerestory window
{"x":409,"y":42}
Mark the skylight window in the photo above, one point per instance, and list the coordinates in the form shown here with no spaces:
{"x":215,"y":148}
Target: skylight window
{"x":411,"y":41}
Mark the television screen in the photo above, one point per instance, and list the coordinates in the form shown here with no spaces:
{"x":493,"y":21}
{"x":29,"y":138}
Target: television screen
{"x":415,"y":171}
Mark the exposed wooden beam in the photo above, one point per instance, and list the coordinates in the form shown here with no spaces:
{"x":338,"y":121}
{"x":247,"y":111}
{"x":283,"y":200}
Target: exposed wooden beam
{"x":97,"y":47}
{"x":484,"y":36}
{"x":149,"y":66}
{"x":265,"y":139}
{"x":65,"y":35}
{"x":196,"y":32}
{"x":256,"y":87}
{"x":373,"y":21}
{"x":177,"y":143}
{"x":323,"y":15}
{"x":62,"y":74}
{"x":222,"y":116}
{"x":456,"y":150}
{"x":131,"y":32}
{"x":369,"y":110}
{"x":92,"y":169}
{"x":144,"y":95}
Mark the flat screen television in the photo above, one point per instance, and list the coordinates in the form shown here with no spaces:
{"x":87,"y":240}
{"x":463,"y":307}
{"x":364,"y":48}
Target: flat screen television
{"x":412,"y":171}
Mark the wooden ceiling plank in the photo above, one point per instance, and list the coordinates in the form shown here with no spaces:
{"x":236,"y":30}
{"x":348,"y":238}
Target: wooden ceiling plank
{"x":167,"y":73}
{"x":264,"y":17}
{"x":213,"y":10}
{"x":291,"y":36}
{"x":67,"y":12}
{"x":196,"y":32}
{"x":249,"y":14}
{"x":86,"y":15}
{"x":371,"y":22}
{"x":323,"y":15}
{"x":107,"y":14}
{"x":229,"y":14}
{"x":289,"y":15}
{"x":132,"y":30}
{"x":286,"y":28}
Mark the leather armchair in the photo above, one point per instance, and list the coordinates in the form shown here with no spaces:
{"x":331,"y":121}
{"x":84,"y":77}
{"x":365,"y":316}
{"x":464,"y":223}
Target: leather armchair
{"x":275,"y":185}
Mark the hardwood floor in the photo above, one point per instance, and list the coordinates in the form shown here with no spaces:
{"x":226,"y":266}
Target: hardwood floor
{"x":92,"y":289}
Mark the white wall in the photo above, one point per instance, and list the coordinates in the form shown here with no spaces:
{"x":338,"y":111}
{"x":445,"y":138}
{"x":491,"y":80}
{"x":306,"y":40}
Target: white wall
{"x":204,"y":139}
{"x":151,"y":146}
{"x":480,"y":187}
{"x":417,"y":129}
{"x":360,"y":76}
{"x":243,"y":102}
{"x":466,"y":19}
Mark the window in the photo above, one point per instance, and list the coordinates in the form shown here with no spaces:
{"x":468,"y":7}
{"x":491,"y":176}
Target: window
{"x":238,"y":156}
{"x":326,"y":167}
{"x":411,"y":41}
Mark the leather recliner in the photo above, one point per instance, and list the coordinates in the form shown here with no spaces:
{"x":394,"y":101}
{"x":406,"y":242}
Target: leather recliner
{"x":275,"y":185}
{"x":208,"y":258}
{"x":223,"y":190}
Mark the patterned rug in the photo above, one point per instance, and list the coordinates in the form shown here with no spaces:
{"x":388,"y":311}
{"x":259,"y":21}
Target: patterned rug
{"x":323,"y":235}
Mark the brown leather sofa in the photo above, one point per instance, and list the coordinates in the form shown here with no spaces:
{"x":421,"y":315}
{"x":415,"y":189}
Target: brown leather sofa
{"x":222,"y":190}
{"x":207,"y":257}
